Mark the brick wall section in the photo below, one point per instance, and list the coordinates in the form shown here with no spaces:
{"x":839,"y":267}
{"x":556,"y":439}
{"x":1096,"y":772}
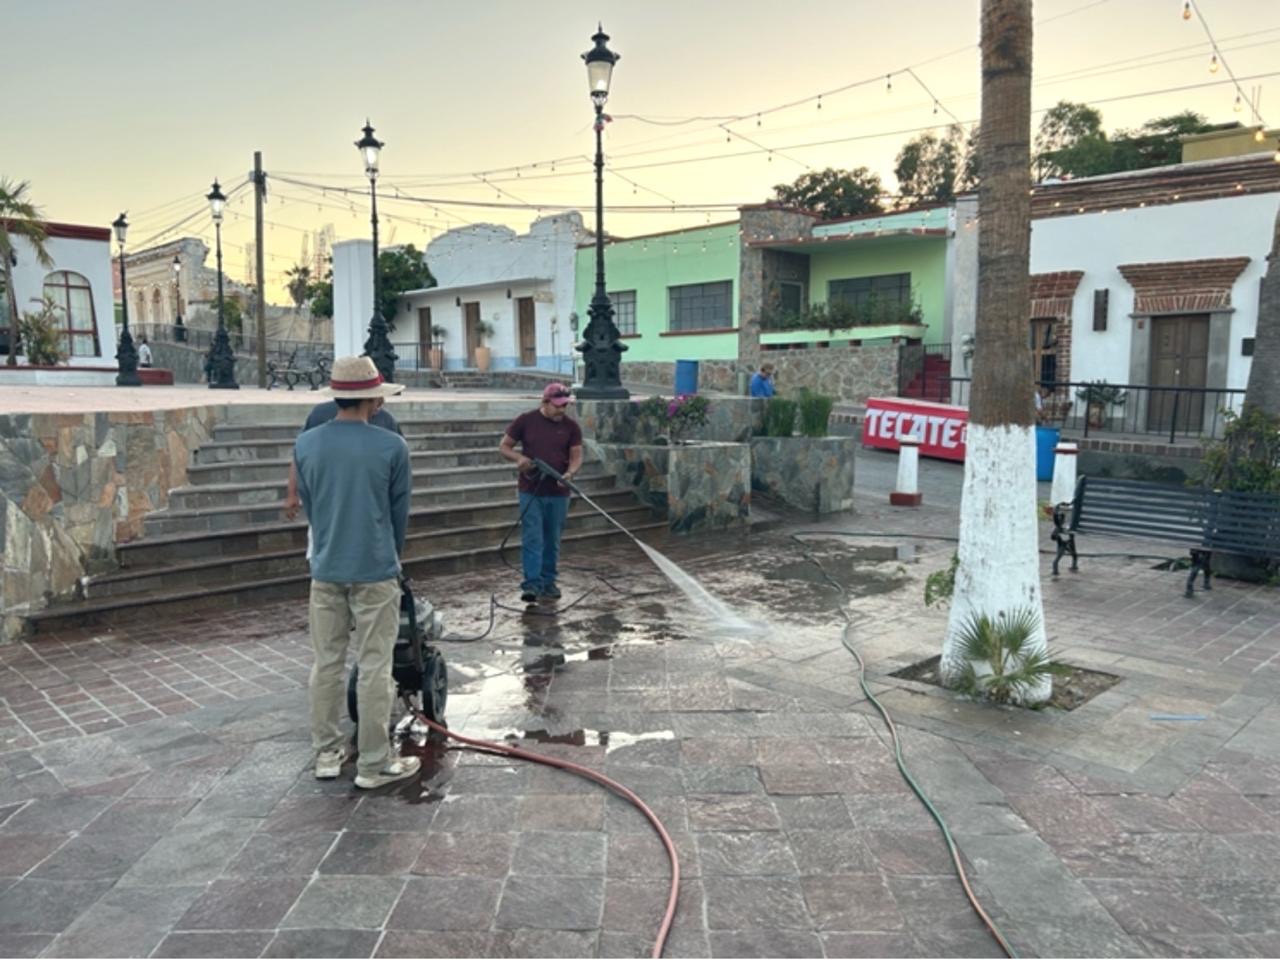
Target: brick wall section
{"x":1233,"y":177}
{"x":1183,"y":286}
{"x":1052,"y":295}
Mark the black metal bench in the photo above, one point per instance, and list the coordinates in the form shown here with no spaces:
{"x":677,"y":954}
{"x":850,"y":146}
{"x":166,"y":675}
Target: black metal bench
{"x":1206,"y":521}
{"x":291,"y":375}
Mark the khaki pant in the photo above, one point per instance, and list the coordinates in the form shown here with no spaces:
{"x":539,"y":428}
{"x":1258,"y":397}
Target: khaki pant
{"x":374,"y":609}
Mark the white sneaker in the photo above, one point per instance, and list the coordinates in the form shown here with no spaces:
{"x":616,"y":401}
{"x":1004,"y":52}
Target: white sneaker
{"x":329,"y":763}
{"x":397,"y":769}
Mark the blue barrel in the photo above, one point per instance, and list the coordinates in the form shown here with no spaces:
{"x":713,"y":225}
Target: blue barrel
{"x":1046,"y":441}
{"x":686,"y":377}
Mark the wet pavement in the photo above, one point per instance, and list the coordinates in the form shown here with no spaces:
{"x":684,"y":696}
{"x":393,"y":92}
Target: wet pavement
{"x":156,"y":797}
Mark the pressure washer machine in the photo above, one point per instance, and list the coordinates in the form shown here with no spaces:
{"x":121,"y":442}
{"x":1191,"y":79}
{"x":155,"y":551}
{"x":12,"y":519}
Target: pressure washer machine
{"x":417,"y":667}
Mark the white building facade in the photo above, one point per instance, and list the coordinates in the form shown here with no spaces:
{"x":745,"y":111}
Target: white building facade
{"x":80,"y":285}
{"x":1144,"y":278}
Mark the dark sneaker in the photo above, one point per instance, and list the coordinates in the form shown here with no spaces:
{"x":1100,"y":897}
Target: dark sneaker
{"x":551,"y":591}
{"x":529,"y":595}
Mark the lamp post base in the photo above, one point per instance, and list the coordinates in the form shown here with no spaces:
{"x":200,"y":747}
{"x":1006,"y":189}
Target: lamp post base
{"x":220,"y":364}
{"x":615,"y":392}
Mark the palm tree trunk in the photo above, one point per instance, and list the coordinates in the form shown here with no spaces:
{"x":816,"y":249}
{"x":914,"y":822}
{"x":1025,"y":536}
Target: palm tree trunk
{"x":12,"y":298}
{"x":999,"y":571}
{"x":1263,"y":389}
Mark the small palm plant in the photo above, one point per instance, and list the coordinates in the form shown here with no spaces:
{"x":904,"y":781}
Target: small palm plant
{"x":19,"y":218}
{"x":999,"y":663}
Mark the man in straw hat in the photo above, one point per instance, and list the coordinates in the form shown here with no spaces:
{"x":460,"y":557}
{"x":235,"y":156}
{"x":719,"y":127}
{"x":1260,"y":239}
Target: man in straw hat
{"x":355,"y":482}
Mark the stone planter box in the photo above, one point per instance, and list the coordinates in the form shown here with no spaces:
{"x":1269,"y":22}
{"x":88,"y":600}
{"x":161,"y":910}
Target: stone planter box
{"x":809,"y":474}
{"x":702,"y":485}
{"x":731,"y":419}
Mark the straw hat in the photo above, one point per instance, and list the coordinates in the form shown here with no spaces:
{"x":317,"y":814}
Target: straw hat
{"x":356,"y":377}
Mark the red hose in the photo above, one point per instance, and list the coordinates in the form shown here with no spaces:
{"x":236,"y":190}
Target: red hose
{"x":620,"y":789}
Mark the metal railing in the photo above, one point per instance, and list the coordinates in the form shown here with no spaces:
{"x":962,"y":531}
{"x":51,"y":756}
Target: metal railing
{"x":199,"y":338}
{"x":418,"y":355}
{"x":1169,"y":411}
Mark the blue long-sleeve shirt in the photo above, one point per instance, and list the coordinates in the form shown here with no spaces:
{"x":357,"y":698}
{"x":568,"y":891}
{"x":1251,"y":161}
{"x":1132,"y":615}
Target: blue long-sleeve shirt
{"x":761,"y":386}
{"x":355,"y":483}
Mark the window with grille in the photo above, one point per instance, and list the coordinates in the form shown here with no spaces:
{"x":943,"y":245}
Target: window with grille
{"x":73,"y":304}
{"x":791,"y":297}
{"x":1044,"y":350}
{"x":624,"y":311}
{"x":860,"y":292}
{"x":697,"y":307}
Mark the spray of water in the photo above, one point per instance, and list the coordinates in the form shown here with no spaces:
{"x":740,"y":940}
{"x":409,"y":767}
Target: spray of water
{"x":699,"y":595}
{"x":724,"y":619}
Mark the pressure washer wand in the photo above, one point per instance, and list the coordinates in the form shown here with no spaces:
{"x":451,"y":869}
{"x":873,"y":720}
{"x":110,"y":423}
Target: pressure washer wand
{"x":558,"y":477}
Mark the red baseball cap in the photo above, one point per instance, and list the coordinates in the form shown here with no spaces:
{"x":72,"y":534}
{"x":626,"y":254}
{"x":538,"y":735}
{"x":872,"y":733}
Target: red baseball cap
{"x":557,"y":394}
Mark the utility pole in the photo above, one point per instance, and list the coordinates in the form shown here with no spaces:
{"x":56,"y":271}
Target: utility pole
{"x":259,"y":195}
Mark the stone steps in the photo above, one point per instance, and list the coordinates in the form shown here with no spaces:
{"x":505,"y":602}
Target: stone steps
{"x":214,"y":571}
{"x":277,"y":470}
{"x":194,"y":600}
{"x":223,"y":541}
{"x":267,"y":448}
{"x":288,"y":431}
{"x":277,"y":533}
{"x":256,"y":495}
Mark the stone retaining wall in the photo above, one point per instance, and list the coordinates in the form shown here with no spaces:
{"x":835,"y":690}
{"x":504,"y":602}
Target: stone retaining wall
{"x":187,"y":363}
{"x":731,"y":419}
{"x":721,"y":376}
{"x":700,"y":486}
{"x":808,"y":474}
{"x":849,"y":373}
{"x":71,"y":486}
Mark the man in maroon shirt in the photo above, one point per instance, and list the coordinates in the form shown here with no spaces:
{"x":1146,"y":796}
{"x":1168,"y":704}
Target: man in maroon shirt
{"x":546,"y":433}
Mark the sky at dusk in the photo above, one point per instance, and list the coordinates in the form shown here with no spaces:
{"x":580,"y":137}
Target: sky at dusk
{"x":138,"y":104}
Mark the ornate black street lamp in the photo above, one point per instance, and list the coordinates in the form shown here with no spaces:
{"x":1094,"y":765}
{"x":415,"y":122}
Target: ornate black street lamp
{"x":179,"y":330}
{"x":126,"y":354}
{"x":220,"y":363}
{"x":601,"y":346}
{"x":377,"y":346}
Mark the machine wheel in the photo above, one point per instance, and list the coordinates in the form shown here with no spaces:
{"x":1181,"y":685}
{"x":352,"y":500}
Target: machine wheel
{"x":351,"y":695}
{"x":435,"y":686}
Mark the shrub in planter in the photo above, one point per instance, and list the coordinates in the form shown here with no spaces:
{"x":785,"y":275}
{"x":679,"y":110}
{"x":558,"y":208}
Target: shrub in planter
{"x":670,"y":421}
{"x":779,"y":417}
{"x":815,"y":413}
{"x":1098,"y":396}
{"x":484,"y":356}
{"x":41,"y":336}
{"x":1246,"y":459}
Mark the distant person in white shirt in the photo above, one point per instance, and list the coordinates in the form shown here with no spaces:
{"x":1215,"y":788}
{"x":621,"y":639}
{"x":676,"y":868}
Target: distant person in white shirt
{"x":144,"y":353}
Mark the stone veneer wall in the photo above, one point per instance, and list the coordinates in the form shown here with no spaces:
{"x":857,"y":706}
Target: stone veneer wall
{"x":187,"y":364}
{"x":705,"y":485}
{"x":850,"y":373}
{"x":71,"y":486}
{"x":809,"y":474}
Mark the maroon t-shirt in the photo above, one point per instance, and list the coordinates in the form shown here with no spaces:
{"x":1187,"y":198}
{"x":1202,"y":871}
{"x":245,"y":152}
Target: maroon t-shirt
{"x":548,"y":440}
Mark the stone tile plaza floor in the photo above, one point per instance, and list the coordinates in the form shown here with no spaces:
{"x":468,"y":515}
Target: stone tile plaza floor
{"x":156,"y":796}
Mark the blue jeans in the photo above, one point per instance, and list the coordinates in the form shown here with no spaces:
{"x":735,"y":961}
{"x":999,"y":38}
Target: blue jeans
{"x":541,"y":523}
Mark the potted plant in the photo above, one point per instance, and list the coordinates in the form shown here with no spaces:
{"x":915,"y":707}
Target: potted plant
{"x":1098,"y":396}
{"x":436,"y":352}
{"x":39,"y":335}
{"x":484,"y":356}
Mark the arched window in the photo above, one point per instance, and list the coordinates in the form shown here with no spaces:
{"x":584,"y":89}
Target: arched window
{"x":157,"y":307}
{"x":73,"y":302}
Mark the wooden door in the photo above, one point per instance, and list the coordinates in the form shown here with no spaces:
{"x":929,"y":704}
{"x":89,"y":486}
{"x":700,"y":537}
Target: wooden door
{"x":1179,"y":360}
{"x":424,"y":337}
{"x":528,"y":333}
{"x":471,"y":318}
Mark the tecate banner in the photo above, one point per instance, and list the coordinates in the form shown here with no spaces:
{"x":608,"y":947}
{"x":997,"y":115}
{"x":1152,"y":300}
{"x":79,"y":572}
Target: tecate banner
{"x":941,"y":429}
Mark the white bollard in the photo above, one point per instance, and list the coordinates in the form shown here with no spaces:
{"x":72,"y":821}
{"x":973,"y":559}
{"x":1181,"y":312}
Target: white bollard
{"x":1063,"y":488}
{"x":907,"y":492}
